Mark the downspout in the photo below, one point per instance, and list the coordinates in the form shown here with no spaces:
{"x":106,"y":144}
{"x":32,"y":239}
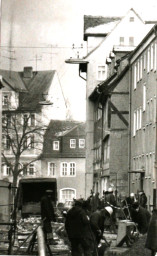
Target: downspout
{"x":80,"y":74}
{"x":129,"y":131}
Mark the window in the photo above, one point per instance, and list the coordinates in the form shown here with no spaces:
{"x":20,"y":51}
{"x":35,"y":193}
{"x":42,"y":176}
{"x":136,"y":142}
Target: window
{"x":137,"y":121}
{"x":135,"y":76}
{"x":64,"y":169}
{"x":72,"y":169}
{"x":131,"y":19}
{"x":68,"y":169}
{"x":6,"y":120}
{"x":134,"y":127}
{"x":51,"y":169}
{"x":29,"y":119}
{"x":32,"y":120}
{"x":31,"y":169}
{"x":67,"y":194}
{"x":138,"y":71}
{"x":31,"y":142}
{"x":152,"y":56}
{"x":144,"y":97}
{"x":140,"y":118}
{"x":81,"y":143}
{"x":72,"y":143}
{"x":131,"y":41}
{"x":101,"y":72}
{"x":148,"y":60}
{"x":155,"y":56}
{"x":5,"y":100}
{"x":144,"y":61}
{"x":56,"y":145}
{"x":6,"y":170}
{"x":6,"y":141}
{"x":121,"y":40}
{"x":141,"y":68}
{"x":106,"y":149}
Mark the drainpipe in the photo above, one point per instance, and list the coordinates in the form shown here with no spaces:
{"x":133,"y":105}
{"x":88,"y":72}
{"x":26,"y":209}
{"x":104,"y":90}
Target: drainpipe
{"x":129,"y":131}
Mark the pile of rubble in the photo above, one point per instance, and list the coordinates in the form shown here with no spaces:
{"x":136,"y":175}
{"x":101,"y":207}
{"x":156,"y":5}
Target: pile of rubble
{"x":26,"y":226}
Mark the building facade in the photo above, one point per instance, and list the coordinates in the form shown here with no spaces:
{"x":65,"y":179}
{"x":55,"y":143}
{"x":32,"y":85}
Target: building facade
{"x":29,"y":100}
{"x":116,"y":34}
{"x":143,"y":111}
{"x":63,"y":158}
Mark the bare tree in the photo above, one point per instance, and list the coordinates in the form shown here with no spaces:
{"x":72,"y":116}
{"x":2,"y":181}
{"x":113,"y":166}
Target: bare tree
{"x":21,"y":134}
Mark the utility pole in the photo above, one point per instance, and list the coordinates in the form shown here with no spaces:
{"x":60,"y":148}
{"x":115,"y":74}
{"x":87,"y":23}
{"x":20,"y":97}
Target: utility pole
{"x":11,"y":58}
{"x":36,"y":59}
{"x":50,"y":53}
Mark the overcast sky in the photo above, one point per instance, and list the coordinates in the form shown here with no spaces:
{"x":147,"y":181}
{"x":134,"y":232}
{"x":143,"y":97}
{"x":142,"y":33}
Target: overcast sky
{"x":57,"y":24}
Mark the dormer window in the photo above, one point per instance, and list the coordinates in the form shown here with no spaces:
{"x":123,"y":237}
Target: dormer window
{"x":121,"y":40}
{"x":5,"y":100}
{"x":72,"y":143}
{"x":101,"y":72}
{"x":131,"y":19}
{"x":81,"y":143}
{"x":56,"y":145}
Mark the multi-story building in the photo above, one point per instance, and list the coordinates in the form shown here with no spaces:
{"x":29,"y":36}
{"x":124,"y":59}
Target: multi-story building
{"x":143,"y":116}
{"x":104,"y":35}
{"x":32,"y":98}
{"x":111,"y":116}
{"x":63,"y":158}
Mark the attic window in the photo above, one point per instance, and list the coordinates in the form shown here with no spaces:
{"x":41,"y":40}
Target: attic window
{"x":131,"y":19}
{"x":121,"y":40}
{"x":5,"y":100}
{"x":55,"y":145}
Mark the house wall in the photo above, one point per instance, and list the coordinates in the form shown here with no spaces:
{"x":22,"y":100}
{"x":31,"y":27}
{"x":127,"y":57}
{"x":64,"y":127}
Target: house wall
{"x":143,"y":138}
{"x":98,"y":57}
{"x":76,"y":182}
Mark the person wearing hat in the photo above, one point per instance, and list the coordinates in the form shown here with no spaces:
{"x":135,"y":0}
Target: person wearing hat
{"x":77,"y":225}
{"x":111,"y":201}
{"x":47,"y":215}
{"x":97,"y":220}
{"x":141,"y":216}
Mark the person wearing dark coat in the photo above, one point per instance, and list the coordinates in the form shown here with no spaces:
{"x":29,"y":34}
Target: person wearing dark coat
{"x":141,"y":216}
{"x":97,"y":220}
{"x":79,"y":232}
{"x":47,"y":214}
{"x":151,"y":241}
{"x":111,"y":200}
{"x":142,"y":199}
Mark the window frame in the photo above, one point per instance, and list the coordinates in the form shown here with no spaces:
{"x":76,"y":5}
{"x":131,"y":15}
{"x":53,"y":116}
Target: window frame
{"x":65,"y":169}
{"x":54,"y":143}
{"x":80,"y":143}
{"x":72,"y":143}
{"x":66,"y":189}
{"x":101,"y":72}
{"x":53,"y":171}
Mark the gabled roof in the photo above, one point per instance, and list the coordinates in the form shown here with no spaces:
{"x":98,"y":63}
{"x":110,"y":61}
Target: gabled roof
{"x":116,"y":24}
{"x":59,"y":128}
{"x":31,"y":89}
{"x":96,"y":21}
{"x":63,"y":131}
{"x":37,"y":86}
{"x":13,"y":80}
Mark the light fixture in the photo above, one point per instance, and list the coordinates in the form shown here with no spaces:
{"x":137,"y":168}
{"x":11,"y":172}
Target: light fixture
{"x":45,"y":101}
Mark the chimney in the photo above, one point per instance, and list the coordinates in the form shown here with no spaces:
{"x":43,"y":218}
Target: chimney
{"x":28,"y":72}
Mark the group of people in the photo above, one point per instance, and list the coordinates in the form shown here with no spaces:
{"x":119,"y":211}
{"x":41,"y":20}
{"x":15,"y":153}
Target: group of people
{"x":85,"y":229}
{"x":86,"y":221}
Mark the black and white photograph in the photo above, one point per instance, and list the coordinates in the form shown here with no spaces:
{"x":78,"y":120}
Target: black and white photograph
{"x":78,"y":127}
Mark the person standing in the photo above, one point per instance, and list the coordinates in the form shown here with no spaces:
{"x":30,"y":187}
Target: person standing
{"x":47,"y":215}
{"x":151,"y":240}
{"x":77,"y":225}
{"x":142,"y":199}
